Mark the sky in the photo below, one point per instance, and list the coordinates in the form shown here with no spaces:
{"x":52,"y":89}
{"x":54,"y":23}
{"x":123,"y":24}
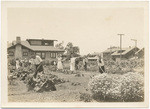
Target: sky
{"x":92,"y":29}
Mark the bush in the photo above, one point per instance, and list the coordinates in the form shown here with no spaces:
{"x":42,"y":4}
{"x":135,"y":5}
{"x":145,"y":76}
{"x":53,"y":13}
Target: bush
{"x":12,"y":62}
{"x":132,"y":89}
{"x":124,"y":66}
{"x":112,"y":87}
{"x":46,"y":62}
{"x":106,"y":87}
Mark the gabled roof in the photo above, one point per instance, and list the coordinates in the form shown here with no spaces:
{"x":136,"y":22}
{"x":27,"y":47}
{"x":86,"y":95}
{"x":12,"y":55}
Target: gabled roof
{"x":125,"y":51}
{"x":35,"y":48}
{"x":40,"y":40}
{"x":111,"y":50}
{"x":141,"y":50}
{"x":23,"y":43}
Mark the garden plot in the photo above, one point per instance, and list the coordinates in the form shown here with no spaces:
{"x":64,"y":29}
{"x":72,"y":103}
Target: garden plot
{"x":82,"y":86}
{"x":66,"y":92}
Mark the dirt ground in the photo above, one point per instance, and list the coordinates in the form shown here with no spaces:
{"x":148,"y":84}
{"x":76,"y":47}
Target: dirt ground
{"x":66,"y":92}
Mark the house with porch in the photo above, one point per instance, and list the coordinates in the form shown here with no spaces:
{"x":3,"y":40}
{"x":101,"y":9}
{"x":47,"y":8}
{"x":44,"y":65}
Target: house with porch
{"x":25,"y":49}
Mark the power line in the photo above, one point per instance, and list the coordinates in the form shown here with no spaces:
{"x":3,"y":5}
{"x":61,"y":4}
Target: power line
{"x":135,"y":42}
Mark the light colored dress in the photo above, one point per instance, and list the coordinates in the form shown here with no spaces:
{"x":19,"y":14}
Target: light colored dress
{"x":72,"y":64}
{"x":59,"y":64}
{"x":17,"y":64}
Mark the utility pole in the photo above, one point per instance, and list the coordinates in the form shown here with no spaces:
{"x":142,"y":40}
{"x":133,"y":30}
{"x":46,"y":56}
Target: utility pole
{"x":135,"y":42}
{"x":120,"y":44}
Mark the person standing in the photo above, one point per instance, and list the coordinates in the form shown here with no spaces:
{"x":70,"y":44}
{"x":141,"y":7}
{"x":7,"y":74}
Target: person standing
{"x":85,"y":61}
{"x":72,"y":64}
{"x":101,"y":64}
{"x":77,"y":60}
{"x":17,"y":64}
{"x":38,"y":64}
{"x":59,"y":64}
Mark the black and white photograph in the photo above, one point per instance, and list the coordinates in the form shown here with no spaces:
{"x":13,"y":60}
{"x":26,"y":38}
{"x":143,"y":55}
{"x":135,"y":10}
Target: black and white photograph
{"x":75,"y":52}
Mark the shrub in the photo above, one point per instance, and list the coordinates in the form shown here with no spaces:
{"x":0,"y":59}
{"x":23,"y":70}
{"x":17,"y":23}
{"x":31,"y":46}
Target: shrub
{"x":112,"y":87}
{"x":132,"y":89}
{"x":106,"y":87}
{"x":12,"y":62}
{"x":124,"y":66}
{"x":46,"y":62}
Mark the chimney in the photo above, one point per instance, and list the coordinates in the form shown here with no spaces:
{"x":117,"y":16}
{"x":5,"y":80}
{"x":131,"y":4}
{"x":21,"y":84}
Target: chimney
{"x":18,"y":39}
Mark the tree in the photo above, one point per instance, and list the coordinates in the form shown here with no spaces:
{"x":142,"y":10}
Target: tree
{"x":60,"y":45}
{"x":71,"y":50}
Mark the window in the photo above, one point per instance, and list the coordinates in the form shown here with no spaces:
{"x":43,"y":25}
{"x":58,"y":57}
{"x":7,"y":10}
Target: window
{"x":36,"y":42}
{"x":25,"y":53}
{"x":43,"y":55}
{"x":38,"y":53}
{"x":53,"y":55}
{"x":46,"y":43}
{"x":11,"y":53}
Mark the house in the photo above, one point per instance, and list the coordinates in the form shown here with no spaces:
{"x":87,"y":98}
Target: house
{"x":92,"y":58}
{"x":24,"y":49}
{"x":107,"y":53}
{"x":126,"y":53}
{"x":140,"y":53}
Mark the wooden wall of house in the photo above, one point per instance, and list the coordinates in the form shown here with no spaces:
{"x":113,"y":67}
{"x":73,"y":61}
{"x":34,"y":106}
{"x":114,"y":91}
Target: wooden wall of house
{"x":107,"y":55}
{"x":20,"y":52}
{"x":12,"y":50}
{"x":131,"y":53}
{"x":48,"y":55}
{"x":117,"y":57}
{"x":140,"y":54}
{"x":26,"y":53}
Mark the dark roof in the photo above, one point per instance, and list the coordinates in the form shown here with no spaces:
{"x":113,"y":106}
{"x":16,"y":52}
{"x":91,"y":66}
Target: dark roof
{"x":111,"y":50}
{"x":141,"y":50}
{"x":125,"y":51}
{"x":40,"y":40}
{"x":35,"y":48}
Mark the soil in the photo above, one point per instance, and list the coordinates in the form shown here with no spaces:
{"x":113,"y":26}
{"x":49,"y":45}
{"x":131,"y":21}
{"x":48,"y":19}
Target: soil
{"x":65,"y":92}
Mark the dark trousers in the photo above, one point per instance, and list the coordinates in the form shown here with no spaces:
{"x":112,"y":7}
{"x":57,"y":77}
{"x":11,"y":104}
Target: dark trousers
{"x":39,"y":68}
{"x":101,"y":69}
{"x":85,"y":66}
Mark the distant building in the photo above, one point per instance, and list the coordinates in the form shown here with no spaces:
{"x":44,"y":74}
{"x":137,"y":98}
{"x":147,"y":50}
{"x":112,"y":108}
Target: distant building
{"x":140,"y":53}
{"x":92,"y":58}
{"x":126,"y":53}
{"x":24,"y":49}
{"x":107,"y":53}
